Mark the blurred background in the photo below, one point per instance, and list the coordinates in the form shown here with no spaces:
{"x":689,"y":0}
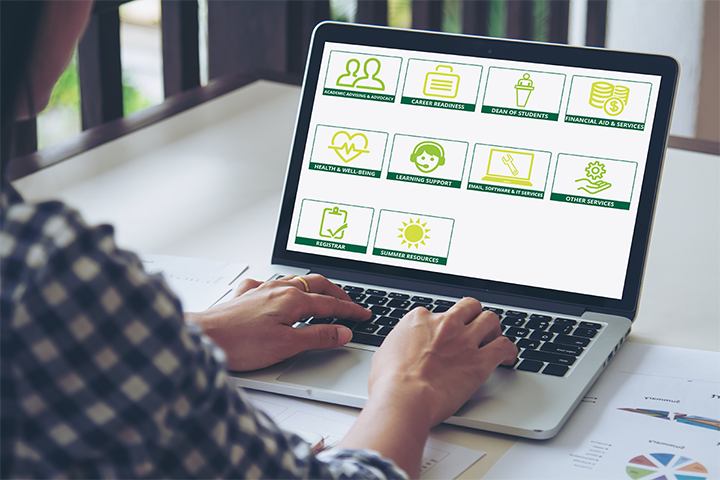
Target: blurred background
{"x":685,"y":29}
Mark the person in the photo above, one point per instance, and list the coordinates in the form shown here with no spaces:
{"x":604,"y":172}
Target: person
{"x":103,"y":375}
{"x":428,"y":156}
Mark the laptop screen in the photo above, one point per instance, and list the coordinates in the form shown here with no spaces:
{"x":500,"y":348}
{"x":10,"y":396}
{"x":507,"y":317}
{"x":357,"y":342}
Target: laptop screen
{"x":520,"y":172}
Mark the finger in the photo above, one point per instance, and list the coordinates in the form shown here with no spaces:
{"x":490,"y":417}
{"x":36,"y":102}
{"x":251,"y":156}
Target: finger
{"x":320,"y":337}
{"x":318,"y":284}
{"x":324,"y":306}
{"x":500,"y":351}
{"x":485,"y":328}
{"x":246,"y":285}
{"x":465,"y":310}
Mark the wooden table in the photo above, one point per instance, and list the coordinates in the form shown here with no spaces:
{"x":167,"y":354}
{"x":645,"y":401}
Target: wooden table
{"x":207,"y":183}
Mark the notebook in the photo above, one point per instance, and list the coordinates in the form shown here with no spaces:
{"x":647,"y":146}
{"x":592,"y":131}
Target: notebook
{"x":426,"y":167}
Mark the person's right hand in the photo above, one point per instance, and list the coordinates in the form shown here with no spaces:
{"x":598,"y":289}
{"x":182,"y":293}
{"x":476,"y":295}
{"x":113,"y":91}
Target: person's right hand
{"x":431,"y":361}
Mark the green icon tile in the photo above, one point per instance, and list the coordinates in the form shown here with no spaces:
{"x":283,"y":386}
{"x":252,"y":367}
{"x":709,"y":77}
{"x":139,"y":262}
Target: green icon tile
{"x":362,"y":76}
{"x":607,"y":102}
{"x":509,"y":171}
{"x":599,"y":182}
{"x":413,"y":237}
{"x":523,"y":93}
{"x":446,"y":85}
{"x":334,"y":226}
{"x":427,"y":161}
{"x":348,"y":151}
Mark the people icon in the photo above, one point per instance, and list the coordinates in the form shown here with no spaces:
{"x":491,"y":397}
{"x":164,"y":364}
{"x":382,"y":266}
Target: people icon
{"x":368,"y":81}
{"x":428,"y":156}
{"x":349,"y":78}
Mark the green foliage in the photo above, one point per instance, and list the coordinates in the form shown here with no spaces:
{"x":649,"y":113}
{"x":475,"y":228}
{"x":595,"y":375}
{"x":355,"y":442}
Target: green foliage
{"x":66,"y":92}
{"x":452,"y":16}
{"x":133,"y":99}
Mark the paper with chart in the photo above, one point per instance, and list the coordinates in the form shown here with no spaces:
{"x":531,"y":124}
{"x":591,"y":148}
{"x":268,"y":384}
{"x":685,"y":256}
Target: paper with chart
{"x":440,"y":460}
{"x":653,"y":415}
{"x":198,"y":283}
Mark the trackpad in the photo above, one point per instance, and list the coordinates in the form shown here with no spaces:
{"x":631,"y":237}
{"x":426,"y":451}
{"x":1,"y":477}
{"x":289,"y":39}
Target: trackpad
{"x":344,"y":369}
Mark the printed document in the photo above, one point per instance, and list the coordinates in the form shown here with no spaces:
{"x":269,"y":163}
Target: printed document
{"x":654,"y":414}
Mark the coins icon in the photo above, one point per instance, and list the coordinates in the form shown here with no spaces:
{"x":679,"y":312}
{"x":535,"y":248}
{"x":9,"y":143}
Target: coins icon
{"x":614,"y":106}
{"x":600,"y":92}
{"x":609,"y":97}
{"x":623,"y":93}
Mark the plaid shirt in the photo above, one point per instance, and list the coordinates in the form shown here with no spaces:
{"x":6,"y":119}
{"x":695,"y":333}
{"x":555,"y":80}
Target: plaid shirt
{"x":101,"y":377}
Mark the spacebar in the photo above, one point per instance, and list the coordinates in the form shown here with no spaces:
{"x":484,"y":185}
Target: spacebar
{"x":548,"y":357}
{"x":367,"y":339}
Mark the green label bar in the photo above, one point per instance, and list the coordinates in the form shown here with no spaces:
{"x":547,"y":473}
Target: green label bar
{"x":378,"y":97}
{"x":331,"y":245}
{"x":520,"y":192}
{"x":361,"y":172}
{"x":598,"y":202}
{"x":381,"y":252}
{"x":424,"y":180}
{"x":468,"y":107}
{"x":514,"y":112}
{"x":604,"y":122}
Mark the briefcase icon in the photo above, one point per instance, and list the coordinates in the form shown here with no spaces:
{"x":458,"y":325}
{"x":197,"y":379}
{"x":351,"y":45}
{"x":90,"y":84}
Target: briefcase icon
{"x":442,"y":82}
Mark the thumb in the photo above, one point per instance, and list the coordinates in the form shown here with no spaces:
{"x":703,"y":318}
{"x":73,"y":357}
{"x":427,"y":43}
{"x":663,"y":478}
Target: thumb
{"x":322,"y":337}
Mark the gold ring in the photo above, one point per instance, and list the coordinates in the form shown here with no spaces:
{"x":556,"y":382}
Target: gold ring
{"x":307,"y":287}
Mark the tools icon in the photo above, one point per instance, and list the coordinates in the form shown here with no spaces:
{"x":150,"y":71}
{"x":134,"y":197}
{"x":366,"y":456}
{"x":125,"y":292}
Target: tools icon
{"x":509,"y":162}
{"x":510,"y":166}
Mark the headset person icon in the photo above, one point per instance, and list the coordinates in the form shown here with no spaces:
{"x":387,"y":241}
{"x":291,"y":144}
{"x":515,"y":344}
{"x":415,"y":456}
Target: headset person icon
{"x":428,"y":156}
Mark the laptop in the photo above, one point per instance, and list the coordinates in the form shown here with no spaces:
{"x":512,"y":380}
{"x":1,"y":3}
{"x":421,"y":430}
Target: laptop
{"x":507,"y":166}
{"x":426,"y":167}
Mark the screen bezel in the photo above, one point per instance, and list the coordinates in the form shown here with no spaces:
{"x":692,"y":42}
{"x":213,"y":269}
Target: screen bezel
{"x":483,"y":47}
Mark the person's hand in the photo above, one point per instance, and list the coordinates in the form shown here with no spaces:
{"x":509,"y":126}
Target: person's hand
{"x":425,"y":370}
{"x":434,"y":357}
{"x":255,"y":328}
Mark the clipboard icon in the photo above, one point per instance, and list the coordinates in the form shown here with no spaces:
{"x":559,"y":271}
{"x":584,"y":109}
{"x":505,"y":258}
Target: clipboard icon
{"x":333,"y":223}
{"x":442,"y":83}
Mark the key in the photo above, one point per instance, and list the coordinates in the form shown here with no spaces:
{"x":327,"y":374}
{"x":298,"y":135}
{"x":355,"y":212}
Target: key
{"x":509,"y":162}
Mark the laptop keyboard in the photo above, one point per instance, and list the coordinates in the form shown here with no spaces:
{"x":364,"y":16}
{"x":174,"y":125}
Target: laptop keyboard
{"x":546,"y":345}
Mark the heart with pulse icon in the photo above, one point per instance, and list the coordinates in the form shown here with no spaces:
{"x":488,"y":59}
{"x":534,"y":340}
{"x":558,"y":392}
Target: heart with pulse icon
{"x":349,"y":147}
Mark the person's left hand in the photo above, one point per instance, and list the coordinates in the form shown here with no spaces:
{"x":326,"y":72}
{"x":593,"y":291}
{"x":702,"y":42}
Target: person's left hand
{"x":255,"y":328}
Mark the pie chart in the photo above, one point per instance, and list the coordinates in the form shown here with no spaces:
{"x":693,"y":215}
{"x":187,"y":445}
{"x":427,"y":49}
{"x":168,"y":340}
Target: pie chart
{"x":665,"y":466}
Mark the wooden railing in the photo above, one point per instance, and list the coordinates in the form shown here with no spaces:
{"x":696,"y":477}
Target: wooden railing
{"x":100,"y":70}
{"x":252,"y":39}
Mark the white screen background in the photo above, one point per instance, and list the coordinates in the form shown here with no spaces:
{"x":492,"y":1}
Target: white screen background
{"x":533,"y":242}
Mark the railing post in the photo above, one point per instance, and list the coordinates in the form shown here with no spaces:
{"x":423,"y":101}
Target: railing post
{"x":475,"y":17}
{"x":246,"y":36}
{"x":596,"y":23}
{"x":520,"y":19}
{"x":25,"y":138}
{"x":302,"y":16}
{"x":99,"y":67}
{"x":372,"y":12}
{"x":559,"y":21}
{"x":427,"y":14}
{"x":253,"y":35}
{"x":181,"y":54}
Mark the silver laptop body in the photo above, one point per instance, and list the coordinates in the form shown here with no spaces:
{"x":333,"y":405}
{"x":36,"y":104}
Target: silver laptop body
{"x":366,"y":205}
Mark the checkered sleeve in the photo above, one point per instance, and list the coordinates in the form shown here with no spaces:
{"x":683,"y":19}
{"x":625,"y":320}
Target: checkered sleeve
{"x":102,"y":378}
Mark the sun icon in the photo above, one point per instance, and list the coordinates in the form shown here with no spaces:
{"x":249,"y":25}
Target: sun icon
{"x":413,"y":233}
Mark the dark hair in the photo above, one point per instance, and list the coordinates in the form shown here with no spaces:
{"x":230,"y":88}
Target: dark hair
{"x":19,"y":23}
